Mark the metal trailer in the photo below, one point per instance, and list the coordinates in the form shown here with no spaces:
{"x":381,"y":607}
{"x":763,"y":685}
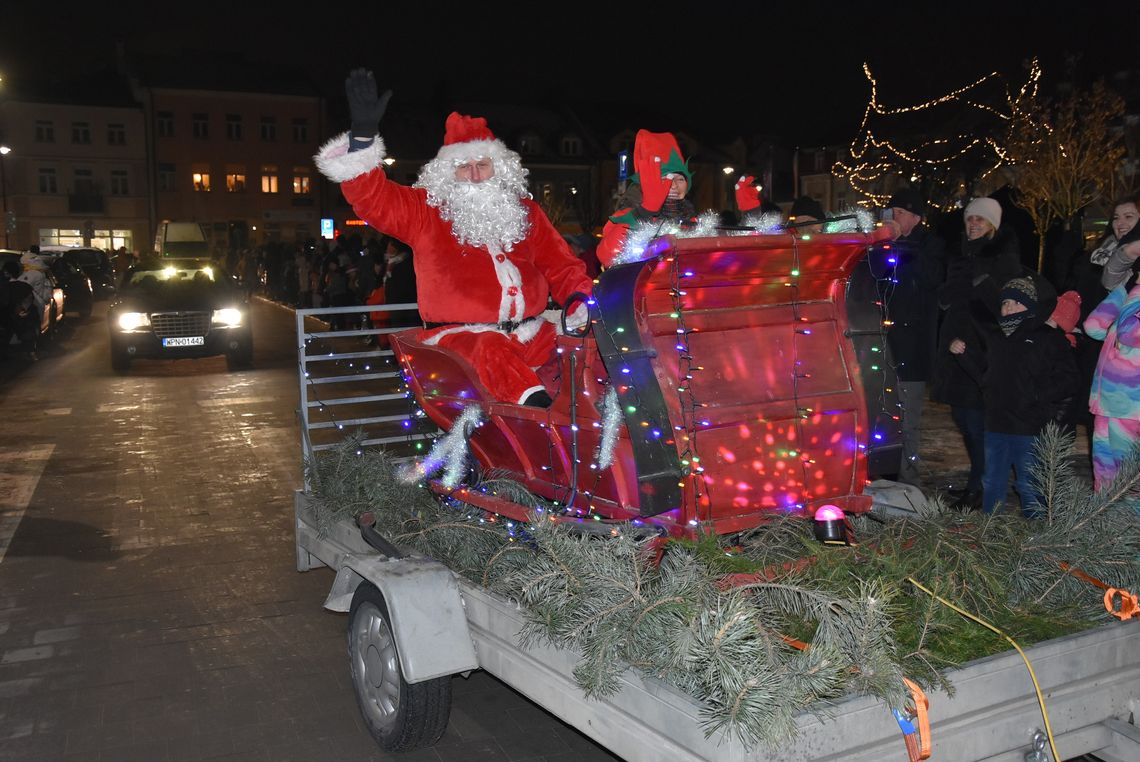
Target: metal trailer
{"x":413,"y":624}
{"x":433,"y":624}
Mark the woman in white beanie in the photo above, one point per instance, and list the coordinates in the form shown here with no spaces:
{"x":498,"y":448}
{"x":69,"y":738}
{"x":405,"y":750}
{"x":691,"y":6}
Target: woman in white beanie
{"x":989,"y":257}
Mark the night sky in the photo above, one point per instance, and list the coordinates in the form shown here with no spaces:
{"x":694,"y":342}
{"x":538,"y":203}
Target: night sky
{"x":714,"y":72}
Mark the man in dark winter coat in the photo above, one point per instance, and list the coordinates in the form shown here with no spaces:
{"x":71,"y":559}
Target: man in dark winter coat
{"x":920,"y":265}
{"x":1027,"y":375}
{"x":989,"y":257}
{"x":18,"y":315}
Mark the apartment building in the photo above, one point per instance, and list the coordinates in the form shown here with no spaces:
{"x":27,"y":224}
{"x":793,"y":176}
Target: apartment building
{"x":74,"y":174}
{"x":239,"y":162}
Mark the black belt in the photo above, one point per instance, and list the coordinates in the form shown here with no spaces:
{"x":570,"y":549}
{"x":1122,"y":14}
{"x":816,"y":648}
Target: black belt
{"x":510,"y":326}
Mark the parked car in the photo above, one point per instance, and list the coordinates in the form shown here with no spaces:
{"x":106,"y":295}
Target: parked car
{"x":53,"y":315}
{"x":179,"y":308}
{"x":76,"y":285}
{"x":95,"y":263}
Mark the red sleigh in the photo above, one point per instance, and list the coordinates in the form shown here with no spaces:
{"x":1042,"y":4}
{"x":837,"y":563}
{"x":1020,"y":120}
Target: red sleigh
{"x":752,"y":376}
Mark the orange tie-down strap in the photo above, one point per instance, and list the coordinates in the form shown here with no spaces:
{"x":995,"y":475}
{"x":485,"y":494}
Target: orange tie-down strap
{"x":914,"y":721}
{"x":1129,"y":605}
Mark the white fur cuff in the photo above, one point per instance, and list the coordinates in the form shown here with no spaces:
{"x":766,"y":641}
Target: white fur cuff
{"x":339,"y":165}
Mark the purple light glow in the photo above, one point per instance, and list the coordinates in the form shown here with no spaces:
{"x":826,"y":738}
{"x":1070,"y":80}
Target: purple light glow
{"x":829,"y":512}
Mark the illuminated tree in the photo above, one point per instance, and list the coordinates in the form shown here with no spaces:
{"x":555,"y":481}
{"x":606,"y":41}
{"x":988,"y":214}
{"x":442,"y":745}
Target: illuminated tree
{"x":1064,"y":154}
{"x":947,"y":146}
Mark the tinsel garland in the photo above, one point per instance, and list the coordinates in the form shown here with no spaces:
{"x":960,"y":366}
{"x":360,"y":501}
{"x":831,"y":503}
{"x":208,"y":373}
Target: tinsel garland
{"x":611,"y":425}
{"x":639,"y":236}
{"x":449,"y":452}
{"x":709,"y":224}
{"x":853,"y":219}
{"x":728,"y":647}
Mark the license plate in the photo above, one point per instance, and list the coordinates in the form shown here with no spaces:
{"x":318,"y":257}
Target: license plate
{"x":184,"y":341}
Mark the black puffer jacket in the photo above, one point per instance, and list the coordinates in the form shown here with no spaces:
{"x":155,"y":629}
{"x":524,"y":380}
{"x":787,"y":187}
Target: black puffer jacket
{"x":973,"y":281}
{"x":1028,"y":377}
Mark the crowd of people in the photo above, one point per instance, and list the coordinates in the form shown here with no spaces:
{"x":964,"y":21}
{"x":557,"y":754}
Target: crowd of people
{"x":340,"y":273}
{"x":1011,"y":351}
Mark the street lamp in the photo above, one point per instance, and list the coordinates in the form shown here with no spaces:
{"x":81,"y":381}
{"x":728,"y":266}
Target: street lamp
{"x":4,"y":151}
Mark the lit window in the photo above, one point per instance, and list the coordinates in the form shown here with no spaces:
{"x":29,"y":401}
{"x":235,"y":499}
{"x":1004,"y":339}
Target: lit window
{"x":202,"y":181}
{"x":119,"y":184}
{"x":269,"y":178}
{"x":233,"y":126}
{"x":164,"y":123}
{"x":47,"y":180}
{"x":269,"y":128}
{"x":235,"y":182}
{"x":116,"y":134}
{"x":167,"y":177}
{"x":80,"y":133}
{"x":300,"y":130}
{"x":45,"y":131}
{"x":301,"y":182}
{"x":201,"y":126}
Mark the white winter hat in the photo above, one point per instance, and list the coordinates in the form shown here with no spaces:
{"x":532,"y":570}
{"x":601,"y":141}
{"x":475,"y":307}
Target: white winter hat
{"x":986,"y":208}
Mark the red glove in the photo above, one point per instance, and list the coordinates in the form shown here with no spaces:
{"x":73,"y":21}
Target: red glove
{"x":747,"y":194}
{"x":654,"y":187}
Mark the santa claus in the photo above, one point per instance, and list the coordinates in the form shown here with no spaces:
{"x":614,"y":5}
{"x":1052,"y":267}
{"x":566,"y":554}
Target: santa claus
{"x":486,"y":257}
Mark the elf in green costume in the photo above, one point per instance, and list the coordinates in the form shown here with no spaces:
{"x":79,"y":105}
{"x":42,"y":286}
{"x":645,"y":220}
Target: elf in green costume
{"x":664,"y":178}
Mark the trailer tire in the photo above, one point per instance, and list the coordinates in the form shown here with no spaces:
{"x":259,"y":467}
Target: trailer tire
{"x":400,"y":716}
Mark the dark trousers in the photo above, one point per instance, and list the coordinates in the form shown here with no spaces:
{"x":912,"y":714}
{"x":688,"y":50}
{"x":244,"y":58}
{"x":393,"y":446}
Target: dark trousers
{"x":972,"y":423}
{"x":1002,"y":452}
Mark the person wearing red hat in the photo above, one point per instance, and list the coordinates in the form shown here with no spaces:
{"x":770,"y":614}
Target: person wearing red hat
{"x":664,"y":178}
{"x":486,"y":257}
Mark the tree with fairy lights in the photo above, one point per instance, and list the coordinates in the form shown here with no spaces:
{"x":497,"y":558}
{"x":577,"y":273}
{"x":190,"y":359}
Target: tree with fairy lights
{"x":1064,"y":154}
{"x":946,"y":146}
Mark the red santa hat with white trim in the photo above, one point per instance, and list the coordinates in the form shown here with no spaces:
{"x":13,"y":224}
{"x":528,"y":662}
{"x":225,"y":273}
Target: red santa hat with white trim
{"x":467,"y":138}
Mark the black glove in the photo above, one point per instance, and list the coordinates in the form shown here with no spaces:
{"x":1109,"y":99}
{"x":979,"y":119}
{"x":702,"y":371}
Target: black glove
{"x":365,"y":107}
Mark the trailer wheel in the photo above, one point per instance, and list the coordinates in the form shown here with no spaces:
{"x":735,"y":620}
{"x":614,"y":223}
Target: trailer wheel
{"x":401,"y":717}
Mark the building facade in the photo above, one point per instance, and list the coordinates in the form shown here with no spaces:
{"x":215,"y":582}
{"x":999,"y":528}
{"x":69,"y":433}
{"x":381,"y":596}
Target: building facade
{"x":74,"y":175}
{"x":239,"y":163}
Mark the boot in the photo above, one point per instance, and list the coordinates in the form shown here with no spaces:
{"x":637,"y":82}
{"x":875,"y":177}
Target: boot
{"x":968,"y":500}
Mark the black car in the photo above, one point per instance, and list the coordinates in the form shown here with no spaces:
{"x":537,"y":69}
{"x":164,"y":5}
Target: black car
{"x":171,"y":308}
{"x":96,"y":265}
{"x":75,"y":284}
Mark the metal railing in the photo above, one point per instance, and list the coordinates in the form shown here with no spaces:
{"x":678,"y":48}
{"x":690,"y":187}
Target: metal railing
{"x":350,"y":381}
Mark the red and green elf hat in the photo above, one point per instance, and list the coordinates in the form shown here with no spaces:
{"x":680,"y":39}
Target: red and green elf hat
{"x":658,"y":147}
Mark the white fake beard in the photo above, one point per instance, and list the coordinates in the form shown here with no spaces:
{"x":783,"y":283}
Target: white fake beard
{"x":484,"y":214}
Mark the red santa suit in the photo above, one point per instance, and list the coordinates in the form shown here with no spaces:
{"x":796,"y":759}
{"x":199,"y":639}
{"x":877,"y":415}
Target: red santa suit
{"x":480,"y":299}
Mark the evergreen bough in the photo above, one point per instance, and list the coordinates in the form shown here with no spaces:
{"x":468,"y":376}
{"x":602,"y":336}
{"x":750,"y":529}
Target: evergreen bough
{"x":669,"y":614}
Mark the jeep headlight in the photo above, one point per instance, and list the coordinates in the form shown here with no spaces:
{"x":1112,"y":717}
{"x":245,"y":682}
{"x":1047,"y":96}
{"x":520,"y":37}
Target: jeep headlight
{"x":132,"y":321}
{"x":228,"y":317}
